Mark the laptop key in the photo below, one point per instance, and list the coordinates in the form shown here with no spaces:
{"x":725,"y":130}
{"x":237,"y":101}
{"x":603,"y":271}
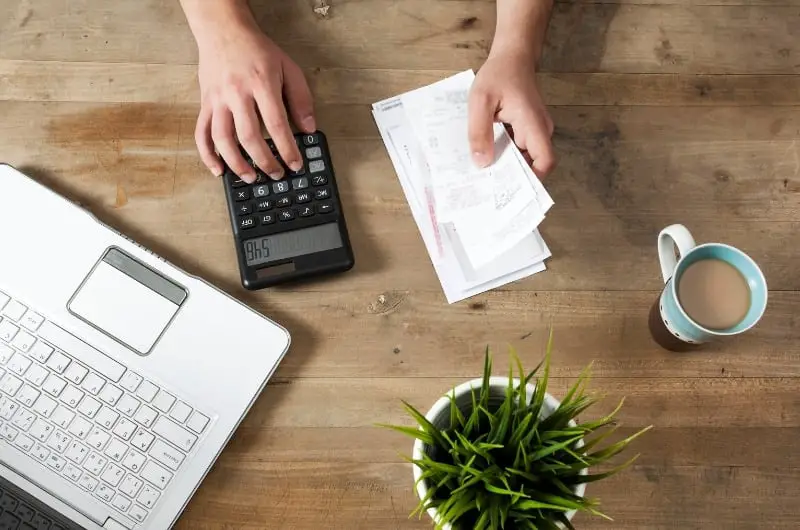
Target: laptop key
{"x":32,"y":320}
{"x":9,"y":521}
{"x":120,"y":502}
{"x":5,"y":353}
{"x":134,"y":460}
{"x":14,"y":310}
{"x":148,"y":496}
{"x":23,"y":442}
{"x":24,"y":341}
{"x":113,"y":475}
{"x":181,"y":411}
{"x":95,"y":463}
{"x":62,"y":416}
{"x":88,"y":482}
{"x":36,"y":375}
{"x":7,"y":330}
{"x":25,"y":512}
{"x":174,"y":433}
{"x":130,"y":381}
{"x":156,"y":475}
{"x":138,"y":513}
{"x":8,"y":502}
{"x":40,"y":352}
{"x":10,"y":384}
{"x":7,"y":408}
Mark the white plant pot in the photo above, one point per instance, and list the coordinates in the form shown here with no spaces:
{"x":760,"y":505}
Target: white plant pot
{"x":439,"y":415}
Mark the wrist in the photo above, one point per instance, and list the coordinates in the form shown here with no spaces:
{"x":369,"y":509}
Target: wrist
{"x":521,"y":28}
{"x":520,"y":48}
{"x":214,"y":22}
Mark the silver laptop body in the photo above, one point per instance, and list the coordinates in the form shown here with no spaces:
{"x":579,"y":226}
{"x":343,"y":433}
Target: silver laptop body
{"x":122,"y":377}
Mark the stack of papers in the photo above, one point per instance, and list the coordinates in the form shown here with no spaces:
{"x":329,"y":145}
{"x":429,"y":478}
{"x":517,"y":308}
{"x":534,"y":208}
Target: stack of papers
{"x":479,"y":225}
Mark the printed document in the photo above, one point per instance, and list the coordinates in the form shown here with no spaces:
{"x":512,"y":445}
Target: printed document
{"x":479,"y":225}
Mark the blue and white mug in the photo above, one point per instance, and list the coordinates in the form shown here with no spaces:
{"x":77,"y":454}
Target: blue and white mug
{"x":674,"y":317}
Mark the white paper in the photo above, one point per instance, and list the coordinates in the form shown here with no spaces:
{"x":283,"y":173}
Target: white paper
{"x":438,"y":115}
{"x":483,"y":242}
{"x":462,"y":271}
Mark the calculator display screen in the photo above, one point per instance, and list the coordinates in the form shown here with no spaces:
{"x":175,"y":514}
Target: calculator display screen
{"x":291,"y":244}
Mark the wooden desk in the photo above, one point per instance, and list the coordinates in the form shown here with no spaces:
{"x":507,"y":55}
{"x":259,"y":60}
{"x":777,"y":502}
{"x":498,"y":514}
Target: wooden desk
{"x":665,"y":112}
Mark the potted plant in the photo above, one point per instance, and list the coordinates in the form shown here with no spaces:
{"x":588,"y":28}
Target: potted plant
{"x":501,"y":452}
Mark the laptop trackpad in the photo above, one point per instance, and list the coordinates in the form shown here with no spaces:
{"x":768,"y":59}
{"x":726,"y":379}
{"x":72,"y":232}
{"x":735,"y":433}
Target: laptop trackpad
{"x":127,"y":301}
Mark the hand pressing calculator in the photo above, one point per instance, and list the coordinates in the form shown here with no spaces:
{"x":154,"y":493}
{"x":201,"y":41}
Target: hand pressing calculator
{"x":292,"y":228}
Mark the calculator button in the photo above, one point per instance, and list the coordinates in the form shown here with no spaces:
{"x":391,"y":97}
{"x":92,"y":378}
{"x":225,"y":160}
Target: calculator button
{"x":319,"y":180}
{"x":267,"y":218}
{"x":301,"y":171}
{"x":244,"y":209}
{"x":310,"y":139}
{"x":247,"y":222}
{"x":306,"y":211}
{"x":284,"y":201}
{"x":286,"y":215}
{"x":315,"y":166}
{"x":300,"y":183}
{"x":242,"y":195}
{"x":260,"y":191}
{"x":302,"y":197}
{"x":325,"y":207}
{"x":323,"y":193}
{"x":236,"y":182}
{"x":263,"y":206}
{"x":313,"y":152}
{"x":280,"y":187}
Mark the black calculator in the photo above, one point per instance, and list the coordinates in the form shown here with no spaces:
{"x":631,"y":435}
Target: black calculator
{"x":293,"y":228}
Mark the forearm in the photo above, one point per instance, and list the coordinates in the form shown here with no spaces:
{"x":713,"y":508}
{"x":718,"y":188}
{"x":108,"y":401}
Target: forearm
{"x":213,"y":19}
{"x":521,"y":27}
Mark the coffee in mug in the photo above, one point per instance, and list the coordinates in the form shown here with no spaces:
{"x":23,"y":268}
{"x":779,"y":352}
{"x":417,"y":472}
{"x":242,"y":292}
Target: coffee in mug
{"x":711,"y":291}
{"x":714,"y":293}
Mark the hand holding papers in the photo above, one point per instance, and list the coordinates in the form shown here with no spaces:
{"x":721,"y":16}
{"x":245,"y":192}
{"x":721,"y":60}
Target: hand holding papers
{"x":479,"y":225}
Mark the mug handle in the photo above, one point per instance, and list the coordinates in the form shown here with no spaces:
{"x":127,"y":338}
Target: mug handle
{"x":669,"y":238}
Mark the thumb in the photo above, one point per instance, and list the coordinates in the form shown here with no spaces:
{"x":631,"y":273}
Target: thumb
{"x":482,"y":109}
{"x":299,"y":99}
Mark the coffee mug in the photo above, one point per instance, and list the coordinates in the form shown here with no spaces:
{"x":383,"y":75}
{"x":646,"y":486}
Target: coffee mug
{"x":673,"y":315}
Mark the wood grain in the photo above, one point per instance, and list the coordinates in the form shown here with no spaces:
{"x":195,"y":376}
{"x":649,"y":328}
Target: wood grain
{"x":24,"y":80}
{"x":665,"y":110}
{"x":418,"y":34}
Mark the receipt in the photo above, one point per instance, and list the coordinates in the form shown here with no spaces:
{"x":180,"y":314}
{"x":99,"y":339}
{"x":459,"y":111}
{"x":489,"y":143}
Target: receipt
{"x":479,"y":225}
{"x":439,"y":116}
{"x":484,"y":241}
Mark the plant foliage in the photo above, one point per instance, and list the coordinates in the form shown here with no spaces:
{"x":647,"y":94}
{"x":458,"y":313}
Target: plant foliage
{"x":510,"y":465}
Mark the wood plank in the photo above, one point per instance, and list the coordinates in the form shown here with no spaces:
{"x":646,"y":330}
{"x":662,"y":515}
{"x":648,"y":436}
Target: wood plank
{"x":728,"y":173}
{"x":593,"y":37}
{"x":414,"y":334}
{"x":663,"y":401}
{"x":136,"y":165}
{"x":340,"y":495}
{"x":256,"y":442}
{"x":163,"y":83}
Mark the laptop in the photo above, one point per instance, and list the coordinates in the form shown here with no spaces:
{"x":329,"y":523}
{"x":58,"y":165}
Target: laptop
{"x":122,"y":377}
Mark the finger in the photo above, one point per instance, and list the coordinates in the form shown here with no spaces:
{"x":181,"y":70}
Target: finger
{"x":248,"y":132}
{"x":222,"y":132}
{"x":205,"y":145}
{"x":482,"y":109}
{"x":277,"y":123}
{"x":542,"y":153}
{"x":299,"y":99}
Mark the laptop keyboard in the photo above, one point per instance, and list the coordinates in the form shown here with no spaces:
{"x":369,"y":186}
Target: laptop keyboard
{"x":110,"y":431}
